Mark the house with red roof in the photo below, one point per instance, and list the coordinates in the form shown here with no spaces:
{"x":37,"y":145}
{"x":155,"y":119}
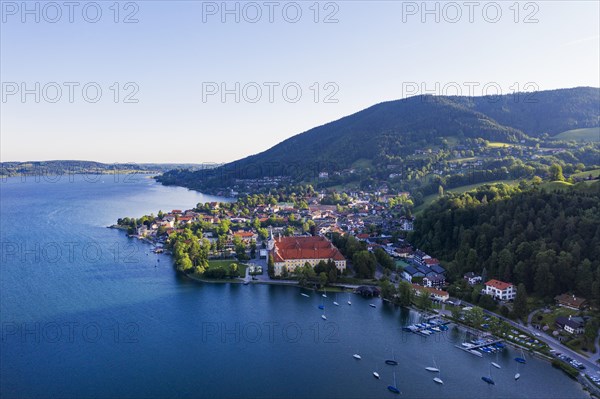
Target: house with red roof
{"x":500,"y":290}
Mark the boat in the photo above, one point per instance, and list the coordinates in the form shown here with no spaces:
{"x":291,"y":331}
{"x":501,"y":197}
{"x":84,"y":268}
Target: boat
{"x":521,"y":359}
{"x":392,"y":361}
{"x":517,"y":376}
{"x":335,"y":302}
{"x":372,"y":305}
{"x":438,"y":380}
{"x":475,"y":352}
{"x":393,"y":388}
{"x":375,"y":373}
{"x":321,"y":307}
{"x":324,"y":295}
{"x":356,"y":356}
{"x":488,"y":378}
{"x":349,"y":303}
{"x":324,"y":317}
{"x":495,"y":364}
{"x":304,"y":295}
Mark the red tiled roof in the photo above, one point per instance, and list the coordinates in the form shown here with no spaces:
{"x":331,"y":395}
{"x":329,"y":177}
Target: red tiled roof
{"x":500,"y":285}
{"x":431,"y":290}
{"x":244,"y":233}
{"x":431,"y":261}
{"x":364,"y":235}
{"x":287,"y":248}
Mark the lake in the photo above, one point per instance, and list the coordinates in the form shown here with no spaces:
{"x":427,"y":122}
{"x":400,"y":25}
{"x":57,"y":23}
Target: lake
{"x":88,"y":312}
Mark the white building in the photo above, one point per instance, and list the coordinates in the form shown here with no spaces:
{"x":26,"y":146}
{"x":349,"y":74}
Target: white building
{"x":500,"y":290}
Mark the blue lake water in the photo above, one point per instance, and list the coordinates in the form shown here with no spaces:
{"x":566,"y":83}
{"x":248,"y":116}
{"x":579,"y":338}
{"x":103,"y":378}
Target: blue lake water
{"x":88,"y":312}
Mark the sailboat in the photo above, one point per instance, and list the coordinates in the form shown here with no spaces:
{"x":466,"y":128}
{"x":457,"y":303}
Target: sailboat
{"x":349,"y":303}
{"x":517,"y":375}
{"x":521,"y":359}
{"x":335,"y":302}
{"x":356,"y":356}
{"x":324,"y":317}
{"x":375,"y":373}
{"x":488,"y":379}
{"x":393,"y":388}
{"x":372,"y":305}
{"x":433,"y":369}
{"x":304,"y":295}
{"x":495,"y":364}
{"x":392,"y":361}
{"x":324,"y":294}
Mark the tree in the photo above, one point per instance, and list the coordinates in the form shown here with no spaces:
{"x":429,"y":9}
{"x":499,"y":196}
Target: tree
{"x":424,"y":301}
{"x":322,"y":279}
{"x":556,"y":173}
{"x":364,"y":264}
{"x":520,"y":304}
{"x":271,"y":266}
{"x":405,"y":293}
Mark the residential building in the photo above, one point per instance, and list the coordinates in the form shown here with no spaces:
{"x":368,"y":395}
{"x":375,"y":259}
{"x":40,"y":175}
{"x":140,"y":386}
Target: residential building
{"x":572,"y":325}
{"x":472,"y":278}
{"x":500,"y":290}
{"x":434,"y":293}
{"x":570,"y":301}
{"x":434,"y":281}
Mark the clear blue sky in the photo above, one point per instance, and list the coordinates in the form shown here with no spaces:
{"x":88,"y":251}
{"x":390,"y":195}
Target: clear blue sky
{"x":376,"y":51}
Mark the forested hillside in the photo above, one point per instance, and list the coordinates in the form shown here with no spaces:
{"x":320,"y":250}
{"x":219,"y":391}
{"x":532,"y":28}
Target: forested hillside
{"x":547,"y":240}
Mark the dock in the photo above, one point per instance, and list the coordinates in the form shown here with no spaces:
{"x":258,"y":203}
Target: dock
{"x":421,"y":330}
{"x":478,"y":346}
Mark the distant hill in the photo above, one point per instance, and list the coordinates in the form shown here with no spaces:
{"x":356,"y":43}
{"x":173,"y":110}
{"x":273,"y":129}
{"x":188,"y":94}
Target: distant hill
{"x":585,"y":135}
{"x":61,"y":167}
{"x":389,"y":132}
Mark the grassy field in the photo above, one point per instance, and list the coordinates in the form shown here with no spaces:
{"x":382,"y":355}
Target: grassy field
{"x":591,"y":134}
{"x":459,"y":190}
{"x":225,"y":264}
{"x":583,"y":175}
{"x":556,"y":185}
{"x":497,"y":144}
{"x":362,"y":163}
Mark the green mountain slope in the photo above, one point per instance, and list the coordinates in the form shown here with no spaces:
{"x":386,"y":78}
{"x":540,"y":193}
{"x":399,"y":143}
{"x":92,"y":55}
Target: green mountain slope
{"x":391,"y":131}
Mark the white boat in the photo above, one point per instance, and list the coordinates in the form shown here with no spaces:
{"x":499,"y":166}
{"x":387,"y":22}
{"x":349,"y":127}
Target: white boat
{"x":356,"y":356}
{"x":467,"y":344}
{"x":495,"y":364}
{"x":375,"y":373}
{"x":349,"y":303}
{"x":372,"y":305}
{"x":438,"y":380}
{"x":324,"y":317}
{"x":335,"y":302}
{"x":517,"y":376}
{"x":324,"y":294}
{"x":303,"y":294}
{"x":476,"y":353}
